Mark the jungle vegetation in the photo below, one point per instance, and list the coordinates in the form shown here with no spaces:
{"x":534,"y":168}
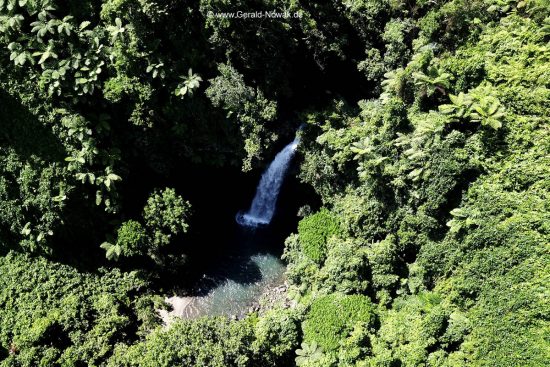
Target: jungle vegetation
{"x":426,"y":139}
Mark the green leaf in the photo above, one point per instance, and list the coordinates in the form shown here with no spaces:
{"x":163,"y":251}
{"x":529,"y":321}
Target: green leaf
{"x":459,"y":213}
{"x":59,"y":198}
{"x":112,"y":251}
{"x":455,"y":99}
{"x":106,"y":245}
{"x":21,"y":59}
{"x":415,"y":173}
{"x":113,"y":177}
{"x":26,"y":229}
{"x":98,"y":197}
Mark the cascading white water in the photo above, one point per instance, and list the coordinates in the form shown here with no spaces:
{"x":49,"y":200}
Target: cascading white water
{"x":263,"y":206}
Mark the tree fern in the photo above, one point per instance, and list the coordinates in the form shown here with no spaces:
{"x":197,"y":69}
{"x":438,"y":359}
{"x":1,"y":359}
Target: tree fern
{"x":489,"y":112}
{"x":309,"y":353}
{"x":433,"y":80}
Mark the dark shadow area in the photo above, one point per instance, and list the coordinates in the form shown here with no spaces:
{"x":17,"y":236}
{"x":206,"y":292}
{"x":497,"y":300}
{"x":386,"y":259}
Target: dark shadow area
{"x":21,"y":130}
{"x":218,"y":249}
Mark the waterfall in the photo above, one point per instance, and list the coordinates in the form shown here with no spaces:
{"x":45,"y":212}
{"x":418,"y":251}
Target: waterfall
{"x":263,"y":206}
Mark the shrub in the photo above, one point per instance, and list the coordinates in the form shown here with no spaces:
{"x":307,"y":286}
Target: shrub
{"x":165,"y":216}
{"x":276,"y":336}
{"x":131,"y":237}
{"x":301,"y":271}
{"x":332,"y":317}
{"x":346,"y":268}
{"x":383,"y":260}
{"x":314,"y":231}
{"x":251,"y":109}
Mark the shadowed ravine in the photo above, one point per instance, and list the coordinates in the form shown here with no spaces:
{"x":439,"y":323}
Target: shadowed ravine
{"x":235,"y":287}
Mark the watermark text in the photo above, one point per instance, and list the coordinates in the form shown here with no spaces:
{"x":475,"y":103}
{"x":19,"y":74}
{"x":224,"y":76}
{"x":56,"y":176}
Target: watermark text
{"x":263,"y":14}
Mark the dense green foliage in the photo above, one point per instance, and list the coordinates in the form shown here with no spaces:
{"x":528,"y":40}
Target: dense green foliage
{"x":53,"y":314}
{"x":450,"y":201}
{"x":215,"y":342}
{"x":210,"y":342}
{"x":426,"y":138}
